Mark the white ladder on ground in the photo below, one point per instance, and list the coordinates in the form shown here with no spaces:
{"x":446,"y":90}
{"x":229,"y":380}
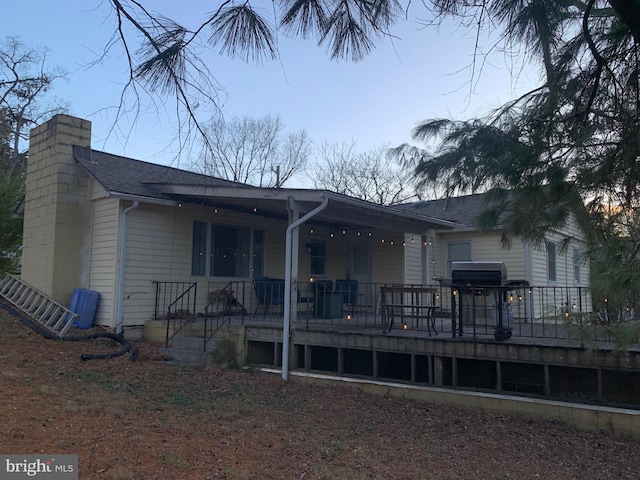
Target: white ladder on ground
{"x":45,"y":311}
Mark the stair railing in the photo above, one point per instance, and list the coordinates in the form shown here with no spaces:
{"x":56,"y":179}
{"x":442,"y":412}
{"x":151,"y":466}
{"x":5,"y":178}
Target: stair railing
{"x":176,"y":316}
{"x":233,"y":306}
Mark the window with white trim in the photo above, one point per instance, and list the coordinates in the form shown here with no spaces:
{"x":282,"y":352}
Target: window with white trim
{"x":457,"y":252}
{"x":226,"y":251}
{"x":552,"y":261}
{"x":577,"y":263}
{"x":318,"y":257}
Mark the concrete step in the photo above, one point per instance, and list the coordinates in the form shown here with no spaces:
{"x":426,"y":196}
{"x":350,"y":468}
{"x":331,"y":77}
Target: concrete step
{"x":195,"y":343}
{"x":189,"y":351}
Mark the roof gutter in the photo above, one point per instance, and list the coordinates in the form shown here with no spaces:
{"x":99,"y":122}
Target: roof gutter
{"x":356,"y":202}
{"x":123,"y":253}
{"x":140,"y":198}
{"x":287,"y":283}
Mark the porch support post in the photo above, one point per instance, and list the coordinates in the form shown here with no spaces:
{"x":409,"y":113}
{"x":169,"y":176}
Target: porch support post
{"x":294,"y":215}
{"x":287,"y":283}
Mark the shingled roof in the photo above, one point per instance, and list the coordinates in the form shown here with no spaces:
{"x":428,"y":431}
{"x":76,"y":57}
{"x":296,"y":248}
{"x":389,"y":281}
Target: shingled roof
{"x":126,"y":176}
{"x":464,"y":210}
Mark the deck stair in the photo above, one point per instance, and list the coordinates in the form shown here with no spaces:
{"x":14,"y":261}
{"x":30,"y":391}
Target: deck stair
{"x":190,"y":351}
{"x":46,"y":312}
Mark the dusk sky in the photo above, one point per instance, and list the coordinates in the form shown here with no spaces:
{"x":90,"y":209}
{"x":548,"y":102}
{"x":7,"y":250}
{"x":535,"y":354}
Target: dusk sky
{"x":422,"y":74}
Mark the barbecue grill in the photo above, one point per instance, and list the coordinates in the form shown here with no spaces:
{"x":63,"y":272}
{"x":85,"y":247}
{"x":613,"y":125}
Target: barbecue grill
{"x":480,"y":287}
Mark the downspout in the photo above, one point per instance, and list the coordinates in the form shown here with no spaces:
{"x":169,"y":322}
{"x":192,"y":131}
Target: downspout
{"x":123,"y":253}
{"x":287,"y":284}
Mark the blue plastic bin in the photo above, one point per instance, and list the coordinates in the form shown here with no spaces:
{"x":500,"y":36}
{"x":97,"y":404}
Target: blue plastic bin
{"x":85,"y":304}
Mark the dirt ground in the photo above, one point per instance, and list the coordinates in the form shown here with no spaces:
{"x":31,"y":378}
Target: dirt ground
{"x":145,"y":419}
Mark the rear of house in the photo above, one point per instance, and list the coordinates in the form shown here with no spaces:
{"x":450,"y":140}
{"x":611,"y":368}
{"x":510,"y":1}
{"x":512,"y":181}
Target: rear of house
{"x":129,"y":229}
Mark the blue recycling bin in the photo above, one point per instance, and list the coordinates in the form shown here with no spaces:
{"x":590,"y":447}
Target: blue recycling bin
{"x":84,"y":303}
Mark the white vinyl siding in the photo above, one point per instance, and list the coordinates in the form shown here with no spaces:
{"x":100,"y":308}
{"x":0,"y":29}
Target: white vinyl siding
{"x":159,"y":248}
{"x":485,"y":247}
{"x":413,"y":262}
{"x":104,"y":245}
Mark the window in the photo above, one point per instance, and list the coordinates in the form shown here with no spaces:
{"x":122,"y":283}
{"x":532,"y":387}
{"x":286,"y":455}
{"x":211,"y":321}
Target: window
{"x":457,"y":252}
{"x":229,"y":251}
{"x":551,"y":261}
{"x":258,"y":254}
{"x":226,"y":251}
{"x":199,"y":249}
{"x":318,"y":254}
{"x":577,"y":262}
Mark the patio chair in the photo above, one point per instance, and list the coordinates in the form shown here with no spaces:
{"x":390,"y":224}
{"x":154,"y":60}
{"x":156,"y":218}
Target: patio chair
{"x":270,"y":291}
{"x":349,"y":291}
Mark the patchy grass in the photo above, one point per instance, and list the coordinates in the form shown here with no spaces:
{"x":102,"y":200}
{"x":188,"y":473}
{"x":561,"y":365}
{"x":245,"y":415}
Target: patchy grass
{"x":147,"y":420}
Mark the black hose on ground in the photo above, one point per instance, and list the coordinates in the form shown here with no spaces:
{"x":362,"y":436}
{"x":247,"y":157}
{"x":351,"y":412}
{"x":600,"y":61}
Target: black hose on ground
{"x":127,"y":346}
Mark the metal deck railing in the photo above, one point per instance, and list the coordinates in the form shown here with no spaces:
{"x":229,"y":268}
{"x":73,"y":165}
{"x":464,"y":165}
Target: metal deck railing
{"x":562,"y":314}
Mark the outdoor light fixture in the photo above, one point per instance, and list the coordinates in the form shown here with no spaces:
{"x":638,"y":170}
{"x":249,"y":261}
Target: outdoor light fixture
{"x":348,"y":317}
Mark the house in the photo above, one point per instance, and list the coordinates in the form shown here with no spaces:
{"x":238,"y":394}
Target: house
{"x":124,"y":227}
{"x":120,"y":227}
